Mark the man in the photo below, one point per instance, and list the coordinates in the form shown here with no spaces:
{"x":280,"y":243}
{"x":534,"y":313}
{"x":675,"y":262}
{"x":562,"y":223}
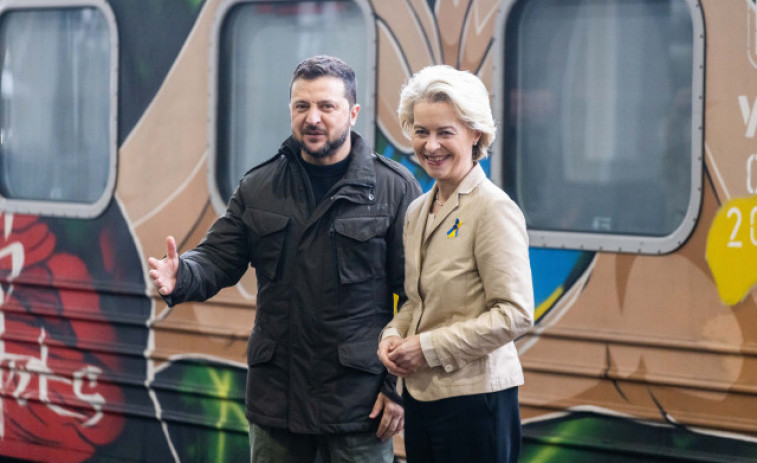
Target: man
{"x":321,"y":222}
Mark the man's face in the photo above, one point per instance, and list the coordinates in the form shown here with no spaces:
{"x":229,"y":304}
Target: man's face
{"x":321,"y":119}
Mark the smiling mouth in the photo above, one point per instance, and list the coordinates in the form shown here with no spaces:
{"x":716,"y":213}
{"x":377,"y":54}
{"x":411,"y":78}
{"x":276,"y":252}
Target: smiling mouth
{"x":435,"y":159}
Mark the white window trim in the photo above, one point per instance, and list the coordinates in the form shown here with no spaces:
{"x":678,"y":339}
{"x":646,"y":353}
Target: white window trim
{"x":367,"y":108}
{"x":607,"y":241}
{"x":65,"y":208}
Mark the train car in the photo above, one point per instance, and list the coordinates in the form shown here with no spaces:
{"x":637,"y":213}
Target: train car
{"x":626,"y":134}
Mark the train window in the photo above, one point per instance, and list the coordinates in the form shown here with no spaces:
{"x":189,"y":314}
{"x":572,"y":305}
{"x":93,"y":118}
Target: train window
{"x":602,"y":121}
{"x":57,"y":107}
{"x":258,"y":46}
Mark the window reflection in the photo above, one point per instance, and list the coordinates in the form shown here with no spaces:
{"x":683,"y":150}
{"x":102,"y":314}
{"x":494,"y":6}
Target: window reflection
{"x":55,"y":104}
{"x":598,"y":118}
{"x":261,"y":44}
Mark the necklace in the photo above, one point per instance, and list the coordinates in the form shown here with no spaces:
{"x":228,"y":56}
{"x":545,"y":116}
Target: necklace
{"x":436,"y":200}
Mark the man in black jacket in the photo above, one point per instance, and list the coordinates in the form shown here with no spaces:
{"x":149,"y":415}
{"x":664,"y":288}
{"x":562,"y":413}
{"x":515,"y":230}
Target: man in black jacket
{"x":321,"y":223}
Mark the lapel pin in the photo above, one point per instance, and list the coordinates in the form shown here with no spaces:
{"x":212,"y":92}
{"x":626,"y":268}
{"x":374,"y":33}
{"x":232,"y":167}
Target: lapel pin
{"x":452,"y":233}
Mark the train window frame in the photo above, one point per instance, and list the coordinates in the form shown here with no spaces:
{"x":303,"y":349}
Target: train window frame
{"x":73,"y":209}
{"x":604,"y":241}
{"x":366,"y":85}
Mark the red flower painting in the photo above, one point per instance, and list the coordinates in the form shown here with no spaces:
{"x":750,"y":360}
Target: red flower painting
{"x":56,"y":388}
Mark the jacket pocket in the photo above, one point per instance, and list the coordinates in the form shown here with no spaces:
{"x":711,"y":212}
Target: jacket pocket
{"x":268,"y":230}
{"x":360,"y":248}
{"x":260,"y":349}
{"x":361,"y":355}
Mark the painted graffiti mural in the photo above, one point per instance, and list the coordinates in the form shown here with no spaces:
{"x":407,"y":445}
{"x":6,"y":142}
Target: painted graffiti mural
{"x":636,"y":356}
{"x":37,"y":358}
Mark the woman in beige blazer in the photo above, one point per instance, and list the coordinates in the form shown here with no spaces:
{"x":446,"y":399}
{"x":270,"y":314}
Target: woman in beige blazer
{"x":468,"y":282}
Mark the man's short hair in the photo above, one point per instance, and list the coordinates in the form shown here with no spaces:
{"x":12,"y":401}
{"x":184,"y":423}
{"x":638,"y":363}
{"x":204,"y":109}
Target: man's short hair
{"x":327,"y":66}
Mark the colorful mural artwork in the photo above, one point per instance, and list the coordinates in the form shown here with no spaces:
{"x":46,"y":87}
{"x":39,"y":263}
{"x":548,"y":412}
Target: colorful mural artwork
{"x":636,"y":355}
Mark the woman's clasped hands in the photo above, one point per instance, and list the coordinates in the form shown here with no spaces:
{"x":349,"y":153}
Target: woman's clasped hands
{"x":402,"y":357}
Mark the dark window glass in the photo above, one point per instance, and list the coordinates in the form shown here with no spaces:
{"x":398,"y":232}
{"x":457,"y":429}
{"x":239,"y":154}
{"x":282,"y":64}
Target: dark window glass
{"x":260,"y":45}
{"x":55,"y":107}
{"x":598,"y":114}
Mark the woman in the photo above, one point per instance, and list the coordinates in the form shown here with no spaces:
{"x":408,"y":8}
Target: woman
{"x":468,"y":282}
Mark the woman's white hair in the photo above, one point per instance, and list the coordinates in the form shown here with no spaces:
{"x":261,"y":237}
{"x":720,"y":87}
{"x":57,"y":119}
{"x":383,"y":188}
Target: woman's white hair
{"x":462,"y":90}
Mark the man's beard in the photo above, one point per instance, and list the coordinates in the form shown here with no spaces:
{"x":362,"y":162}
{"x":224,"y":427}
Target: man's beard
{"x":328,"y":148}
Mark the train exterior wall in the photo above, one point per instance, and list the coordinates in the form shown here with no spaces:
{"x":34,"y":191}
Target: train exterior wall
{"x":634,"y":357}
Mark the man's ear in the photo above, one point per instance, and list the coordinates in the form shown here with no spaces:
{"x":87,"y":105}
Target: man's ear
{"x":354,"y":110}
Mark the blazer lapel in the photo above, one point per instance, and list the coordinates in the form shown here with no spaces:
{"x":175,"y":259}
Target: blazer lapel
{"x":471,"y":181}
{"x":452,"y":203}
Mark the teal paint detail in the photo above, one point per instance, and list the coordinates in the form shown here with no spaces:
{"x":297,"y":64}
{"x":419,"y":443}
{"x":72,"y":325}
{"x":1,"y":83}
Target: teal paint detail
{"x":550,"y":269}
{"x":554,"y":270}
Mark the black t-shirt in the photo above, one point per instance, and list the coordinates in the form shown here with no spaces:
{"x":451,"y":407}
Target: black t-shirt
{"x":322,"y":178}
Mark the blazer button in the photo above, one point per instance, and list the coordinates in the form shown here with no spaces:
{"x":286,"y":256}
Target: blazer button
{"x":448,"y":368}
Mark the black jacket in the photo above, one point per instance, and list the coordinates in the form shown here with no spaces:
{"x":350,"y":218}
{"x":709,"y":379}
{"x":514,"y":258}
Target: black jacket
{"x":326,"y":275}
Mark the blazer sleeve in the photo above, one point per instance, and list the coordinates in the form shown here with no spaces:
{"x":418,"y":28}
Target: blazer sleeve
{"x":401,"y":321}
{"x":501,"y":255}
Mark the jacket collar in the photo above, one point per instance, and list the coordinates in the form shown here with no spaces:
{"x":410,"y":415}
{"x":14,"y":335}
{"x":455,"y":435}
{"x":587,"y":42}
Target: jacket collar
{"x":357,"y":185}
{"x":469,"y":183}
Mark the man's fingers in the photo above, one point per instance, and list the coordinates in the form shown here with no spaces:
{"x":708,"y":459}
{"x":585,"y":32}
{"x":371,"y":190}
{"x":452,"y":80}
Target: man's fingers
{"x":382,"y":430}
{"x":392,"y":422}
{"x":171,"y":247}
{"x":153,"y":263}
{"x":386,"y":428}
{"x":377,"y":407}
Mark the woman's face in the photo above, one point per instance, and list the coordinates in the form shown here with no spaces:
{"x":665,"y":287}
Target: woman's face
{"x":442,"y":142}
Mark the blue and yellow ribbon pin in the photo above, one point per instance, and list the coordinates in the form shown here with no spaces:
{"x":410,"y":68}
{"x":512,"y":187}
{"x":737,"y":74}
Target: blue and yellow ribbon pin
{"x":452,"y":233}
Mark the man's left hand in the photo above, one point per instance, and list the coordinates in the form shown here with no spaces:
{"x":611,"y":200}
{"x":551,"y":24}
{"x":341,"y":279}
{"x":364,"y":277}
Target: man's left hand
{"x":392,"y":420}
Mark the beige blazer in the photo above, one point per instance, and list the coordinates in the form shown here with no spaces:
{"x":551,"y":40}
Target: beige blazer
{"x":468,"y":282}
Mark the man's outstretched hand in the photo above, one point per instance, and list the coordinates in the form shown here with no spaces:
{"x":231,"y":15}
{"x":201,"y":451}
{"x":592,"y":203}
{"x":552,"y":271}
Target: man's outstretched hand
{"x":163,"y":271}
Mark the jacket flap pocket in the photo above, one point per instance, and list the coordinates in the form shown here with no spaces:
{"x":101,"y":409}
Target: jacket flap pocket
{"x":260,"y":349}
{"x":361,"y":355}
{"x":264,"y":223}
{"x":361,"y":228}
